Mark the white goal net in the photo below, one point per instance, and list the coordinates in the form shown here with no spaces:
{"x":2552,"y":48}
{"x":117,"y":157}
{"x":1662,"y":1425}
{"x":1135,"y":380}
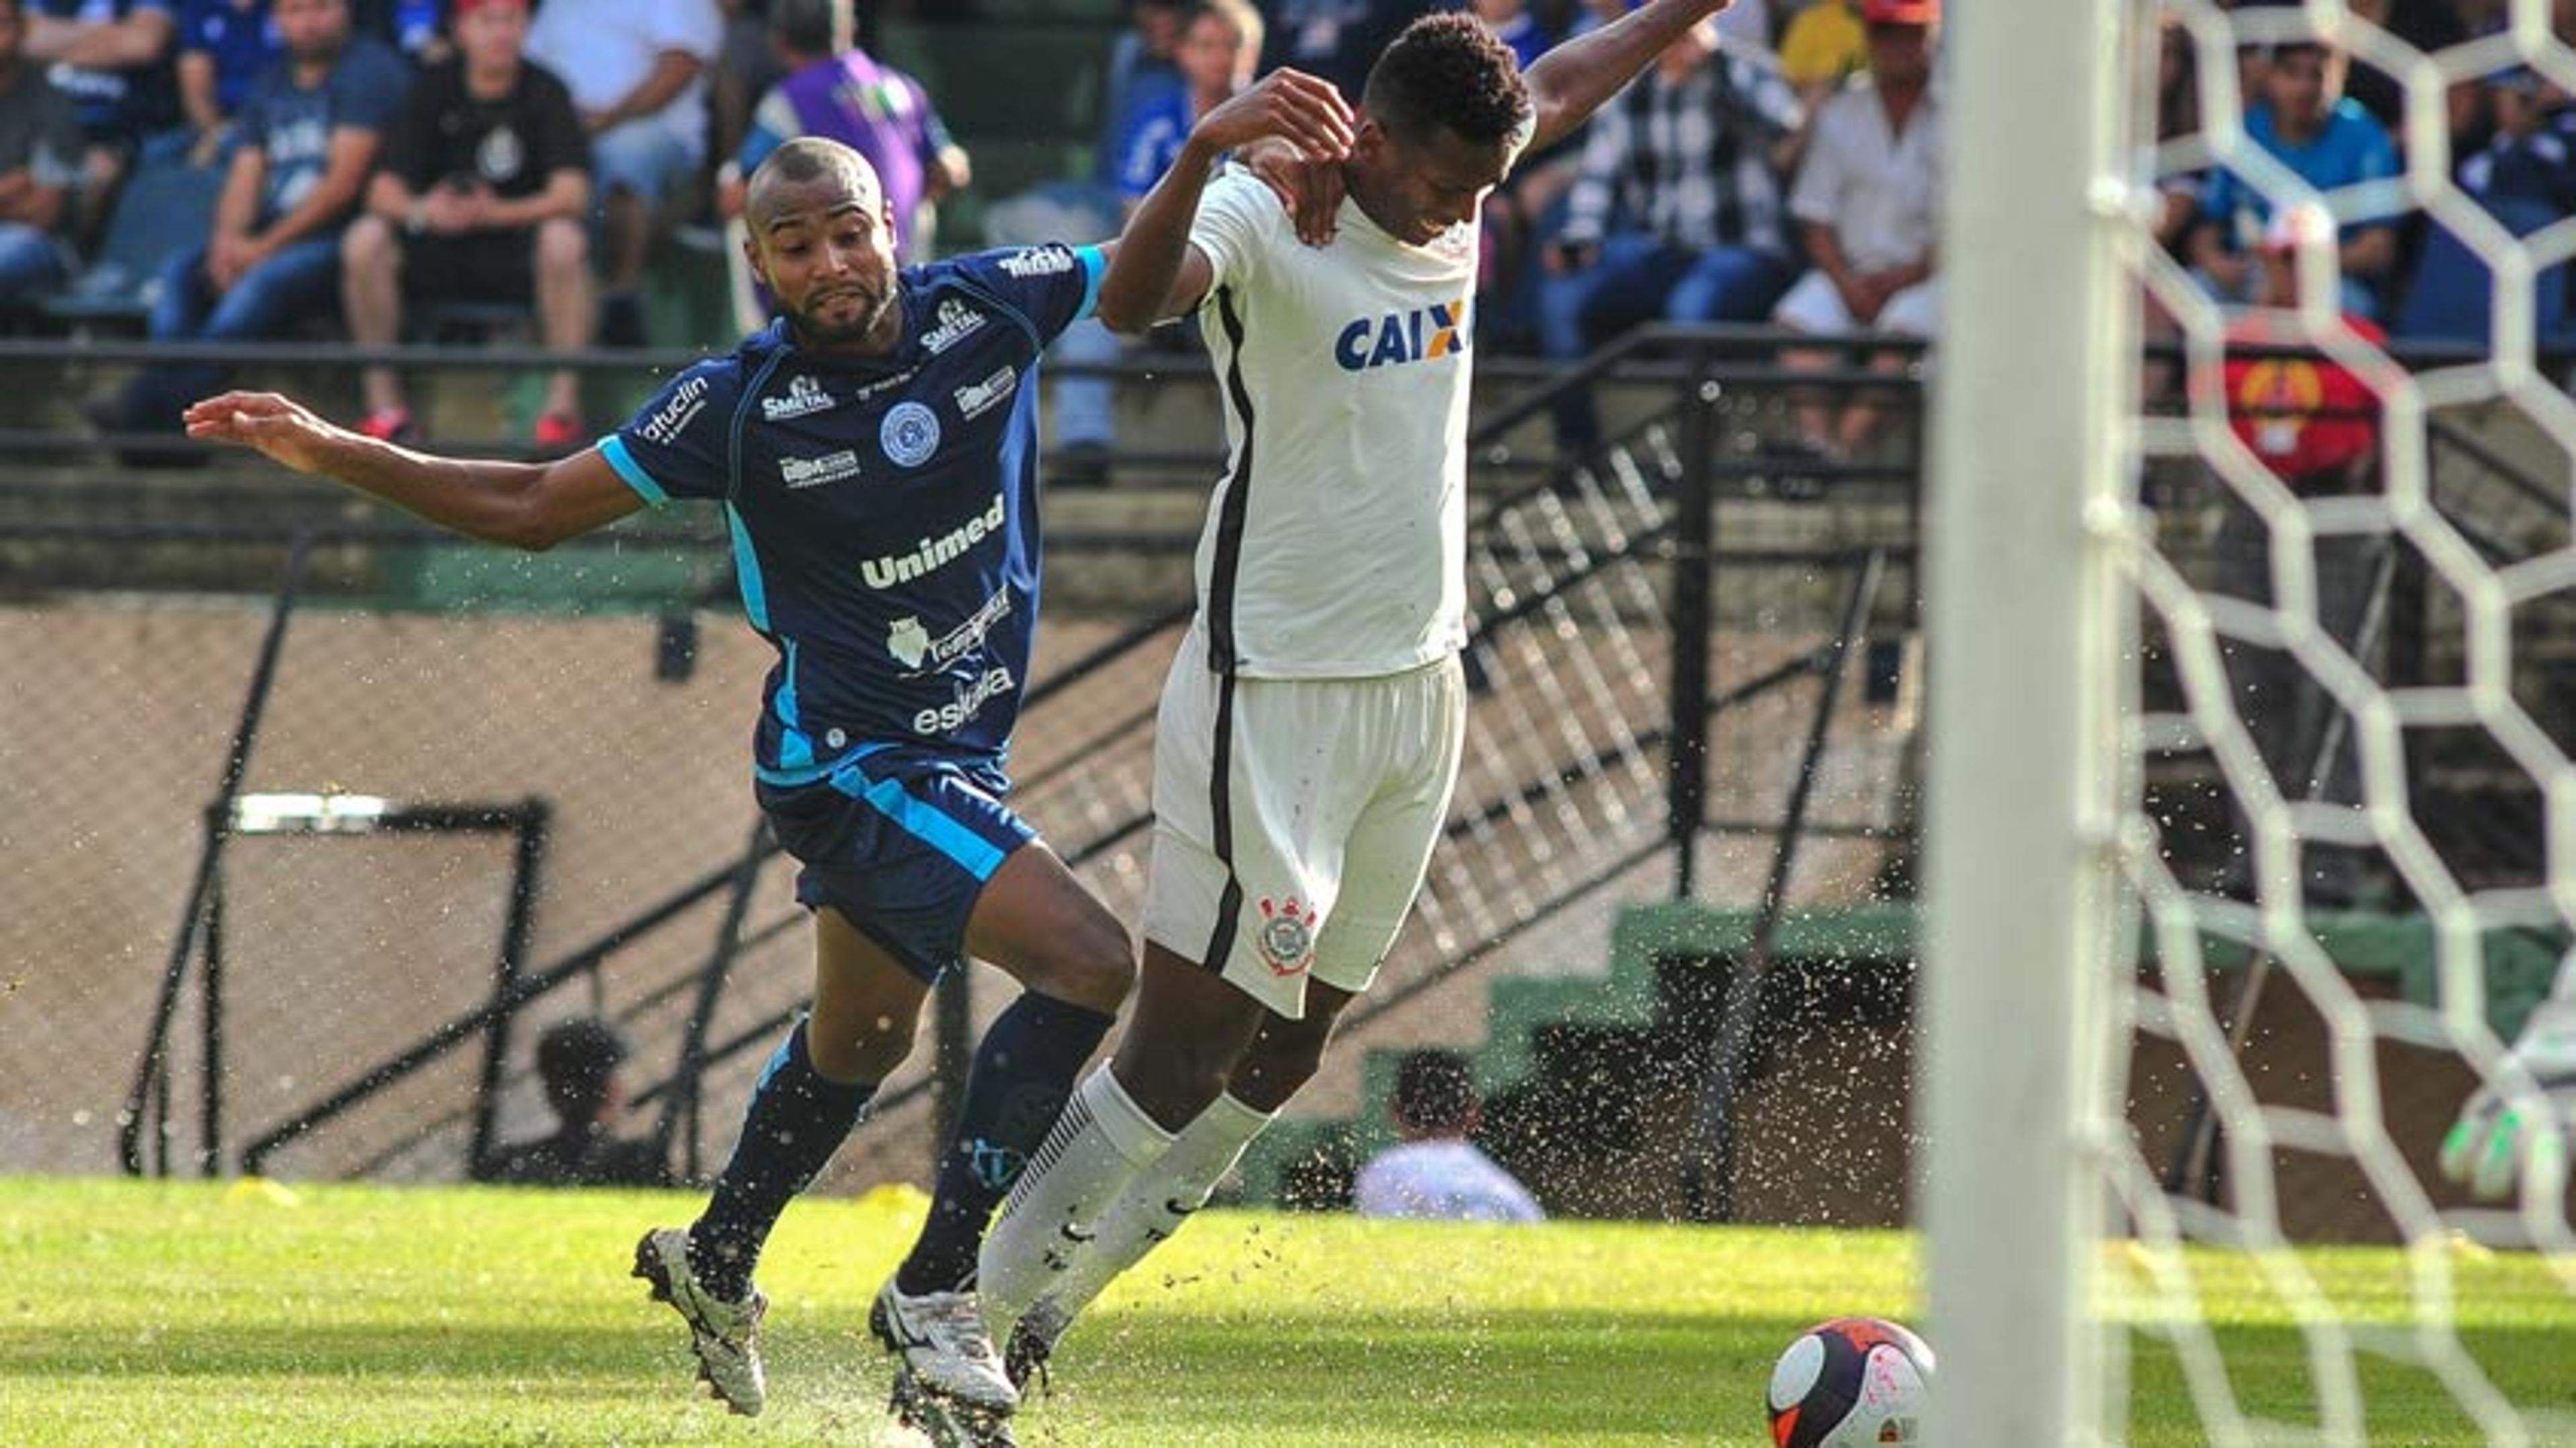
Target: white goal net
{"x":2251,"y":857}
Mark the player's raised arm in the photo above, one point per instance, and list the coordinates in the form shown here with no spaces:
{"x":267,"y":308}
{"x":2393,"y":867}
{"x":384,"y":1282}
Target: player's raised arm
{"x":523,"y":505}
{"x":1569,"y":83}
{"x":1153,"y":275}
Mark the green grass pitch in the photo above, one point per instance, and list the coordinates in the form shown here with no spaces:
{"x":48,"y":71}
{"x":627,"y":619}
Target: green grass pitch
{"x":192,"y":1313}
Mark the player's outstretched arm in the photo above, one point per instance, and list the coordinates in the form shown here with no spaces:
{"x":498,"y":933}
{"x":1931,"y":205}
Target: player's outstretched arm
{"x":1569,"y":83}
{"x":523,"y":505}
{"x":1153,"y":275}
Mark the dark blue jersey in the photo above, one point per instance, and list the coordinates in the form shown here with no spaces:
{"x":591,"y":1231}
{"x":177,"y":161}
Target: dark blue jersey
{"x":883,"y":510}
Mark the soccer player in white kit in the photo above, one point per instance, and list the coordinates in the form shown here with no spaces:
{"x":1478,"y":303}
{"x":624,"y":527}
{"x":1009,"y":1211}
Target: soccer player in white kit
{"x":1309,"y":733}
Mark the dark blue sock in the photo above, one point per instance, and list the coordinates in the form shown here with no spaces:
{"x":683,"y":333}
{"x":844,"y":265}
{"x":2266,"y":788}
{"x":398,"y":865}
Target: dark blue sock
{"x":797,"y":1120}
{"x":1023,"y":1073}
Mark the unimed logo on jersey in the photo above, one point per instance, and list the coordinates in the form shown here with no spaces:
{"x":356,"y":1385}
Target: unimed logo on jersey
{"x":1419,"y":335}
{"x":935,"y":553}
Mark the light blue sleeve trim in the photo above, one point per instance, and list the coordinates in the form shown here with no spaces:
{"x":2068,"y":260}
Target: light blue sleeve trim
{"x":1094,"y":267}
{"x":613,"y":448}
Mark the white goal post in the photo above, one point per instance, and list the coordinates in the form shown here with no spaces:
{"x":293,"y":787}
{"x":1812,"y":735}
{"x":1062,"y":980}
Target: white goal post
{"x":2144,"y":590}
{"x":2024,"y":624}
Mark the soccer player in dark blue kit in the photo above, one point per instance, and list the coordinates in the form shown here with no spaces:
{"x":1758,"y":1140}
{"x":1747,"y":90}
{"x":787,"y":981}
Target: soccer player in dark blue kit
{"x":874,"y":452}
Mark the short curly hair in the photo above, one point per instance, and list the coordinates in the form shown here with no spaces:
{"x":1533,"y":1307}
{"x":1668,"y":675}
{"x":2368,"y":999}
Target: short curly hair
{"x":1447,"y":71}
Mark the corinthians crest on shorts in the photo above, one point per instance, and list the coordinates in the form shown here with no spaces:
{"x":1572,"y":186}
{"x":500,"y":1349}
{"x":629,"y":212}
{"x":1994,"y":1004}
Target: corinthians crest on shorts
{"x":1287,"y":936}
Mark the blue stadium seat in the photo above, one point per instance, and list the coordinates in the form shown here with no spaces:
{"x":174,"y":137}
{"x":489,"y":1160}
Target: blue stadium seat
{"x":163,"y":210}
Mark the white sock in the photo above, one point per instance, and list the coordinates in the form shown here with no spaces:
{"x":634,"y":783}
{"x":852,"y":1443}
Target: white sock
{"x":1100,"y":1142}
{"x":1158,"y":1199}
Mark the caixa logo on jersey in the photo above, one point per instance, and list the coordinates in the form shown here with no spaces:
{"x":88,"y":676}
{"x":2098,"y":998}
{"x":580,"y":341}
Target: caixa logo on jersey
{"x":971,"y":698}
{"x":1439,"y":330}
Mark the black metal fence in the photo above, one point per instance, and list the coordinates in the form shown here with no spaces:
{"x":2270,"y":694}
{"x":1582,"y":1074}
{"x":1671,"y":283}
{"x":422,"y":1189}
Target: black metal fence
{"x":292,"y":877}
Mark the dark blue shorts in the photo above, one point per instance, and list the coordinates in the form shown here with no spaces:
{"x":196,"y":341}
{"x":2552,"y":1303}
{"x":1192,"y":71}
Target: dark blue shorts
{"x":901,"y":846}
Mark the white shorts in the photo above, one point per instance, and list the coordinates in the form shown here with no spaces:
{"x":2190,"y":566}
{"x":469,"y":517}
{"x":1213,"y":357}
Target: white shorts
{"x":1294,"y":818}
{"x":1815,"y":306}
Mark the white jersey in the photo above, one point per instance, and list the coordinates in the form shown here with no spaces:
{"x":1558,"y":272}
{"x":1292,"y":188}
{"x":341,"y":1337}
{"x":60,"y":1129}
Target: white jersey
{"x":1336,"y":544}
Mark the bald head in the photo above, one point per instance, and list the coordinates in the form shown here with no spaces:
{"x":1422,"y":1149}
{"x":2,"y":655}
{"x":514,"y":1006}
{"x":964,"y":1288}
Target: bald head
{"x":820,"y":234}
{"x":810,"y":175}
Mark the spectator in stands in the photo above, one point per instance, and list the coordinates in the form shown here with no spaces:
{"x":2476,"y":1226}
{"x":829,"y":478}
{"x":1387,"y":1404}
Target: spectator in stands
{"x":2327,"y":141}
{"x":1337,"y":40}
{"x":837,"y":90}
{"x":637,"y":72}
{"x":747,"y":65}
{"x":1515,"y":24}
{"x":225,"y":46}
{"x":1866,"y":202}
{"x":40,"y":157}
{"x":482,"y":198}
{"x":1144,"y":69}
{"x":1825,"y":45}
{"x":2314,"y":425}
{"x":1142,"y":73}
{"x":1530,"y":204}
{"x":578,"y":1061}
{"x":1220,"y":42}
{"x":2526,"y":163}
{"x":1676,"y":211}
{"x":2429,"y":26}
{"x":113,"y":58}
{"x":2178,"y":195}
{"x":310,"y":134}
{"x":1436,"y":1172}
{"x":2177,"y":116}
{"x":1744,"y":26}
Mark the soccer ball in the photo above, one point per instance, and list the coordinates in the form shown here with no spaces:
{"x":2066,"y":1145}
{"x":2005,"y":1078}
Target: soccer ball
{"x":1854,"y":1382}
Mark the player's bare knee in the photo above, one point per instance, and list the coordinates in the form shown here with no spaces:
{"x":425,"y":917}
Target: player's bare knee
{"x":1094,"y":968}
{"x":1266,"y":1082}
{"x":867,"y":1050}
{"x":1283,"y":1058}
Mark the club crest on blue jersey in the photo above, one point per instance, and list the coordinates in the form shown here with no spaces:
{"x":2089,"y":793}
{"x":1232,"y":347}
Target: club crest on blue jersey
{"x":909,"y":435}
{"x":1420,"y":335}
